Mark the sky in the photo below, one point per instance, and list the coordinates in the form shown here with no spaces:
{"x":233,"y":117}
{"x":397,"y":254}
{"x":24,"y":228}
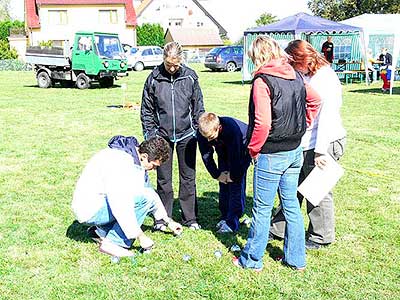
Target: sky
{"x":235,"y":18}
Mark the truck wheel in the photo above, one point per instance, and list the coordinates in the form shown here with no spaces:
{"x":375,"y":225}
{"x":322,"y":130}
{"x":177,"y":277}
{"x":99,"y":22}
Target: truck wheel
{"x":82,"y":81}
{"x":106,"y":82}
{"x":43,"y":80}
{"x":139,"y":66}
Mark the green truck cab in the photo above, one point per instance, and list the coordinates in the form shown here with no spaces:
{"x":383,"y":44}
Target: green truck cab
{"x":94,"y":57}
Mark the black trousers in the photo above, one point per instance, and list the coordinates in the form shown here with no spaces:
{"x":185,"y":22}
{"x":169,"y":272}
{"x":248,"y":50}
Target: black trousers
{"x":186,"y":152}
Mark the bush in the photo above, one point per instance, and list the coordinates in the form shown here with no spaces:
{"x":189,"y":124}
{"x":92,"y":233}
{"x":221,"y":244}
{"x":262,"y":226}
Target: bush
{"x":150,"y":35}
{"x":14,"y":65}
{"x":5,"y":27}
{"x":48,"y":44}
{"x":6,"y":52}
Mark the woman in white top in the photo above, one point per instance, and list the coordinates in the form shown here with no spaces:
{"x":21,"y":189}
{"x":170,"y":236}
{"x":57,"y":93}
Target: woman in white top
{"x":326,"y":136}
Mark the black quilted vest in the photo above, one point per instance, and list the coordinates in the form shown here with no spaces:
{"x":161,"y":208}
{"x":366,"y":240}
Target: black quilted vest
{"x":288,"y":109}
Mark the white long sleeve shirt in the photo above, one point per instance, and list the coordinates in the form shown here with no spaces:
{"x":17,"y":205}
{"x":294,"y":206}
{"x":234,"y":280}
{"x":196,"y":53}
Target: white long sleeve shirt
{"x":327,"y":127}
{"x":112,"y":173}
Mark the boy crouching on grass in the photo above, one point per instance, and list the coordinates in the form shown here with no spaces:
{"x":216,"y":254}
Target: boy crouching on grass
{"x":227,"y":137}
{"x":114,"y":194}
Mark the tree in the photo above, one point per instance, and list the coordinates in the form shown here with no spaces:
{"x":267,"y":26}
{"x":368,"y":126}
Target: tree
{"x":339,"y":10}
{"x":4,"y":10}
{"x":265,"y":19}
{"x":150,"y":35}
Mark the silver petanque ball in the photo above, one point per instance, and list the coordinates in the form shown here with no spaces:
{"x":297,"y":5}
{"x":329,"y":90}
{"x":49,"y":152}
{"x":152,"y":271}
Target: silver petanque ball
{"x":115,"y":259}
{"x":186,"y":257}
{"x":218,"y":254}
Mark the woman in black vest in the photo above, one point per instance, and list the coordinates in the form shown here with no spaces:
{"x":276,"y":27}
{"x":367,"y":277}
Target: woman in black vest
{"x":278,"y":117}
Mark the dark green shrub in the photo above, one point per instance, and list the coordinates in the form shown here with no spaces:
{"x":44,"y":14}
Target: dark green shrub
{"x":5,"y":27}
{"x":150,"y":35}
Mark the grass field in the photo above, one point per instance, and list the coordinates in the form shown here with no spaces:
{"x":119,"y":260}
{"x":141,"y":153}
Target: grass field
{"x":47,"y":136}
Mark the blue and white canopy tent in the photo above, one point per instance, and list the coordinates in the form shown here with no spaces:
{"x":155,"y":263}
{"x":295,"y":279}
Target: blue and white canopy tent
{"x":380,"y":31}
{"x":346,"y":38}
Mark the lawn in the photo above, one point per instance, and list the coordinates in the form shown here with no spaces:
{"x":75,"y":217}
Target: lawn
{"x":47,"y":136}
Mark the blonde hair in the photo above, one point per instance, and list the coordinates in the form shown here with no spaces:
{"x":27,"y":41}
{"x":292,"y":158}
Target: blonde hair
{"x":263,"y":50}
{"x":208,"y":123}
{"x":173,"y":50}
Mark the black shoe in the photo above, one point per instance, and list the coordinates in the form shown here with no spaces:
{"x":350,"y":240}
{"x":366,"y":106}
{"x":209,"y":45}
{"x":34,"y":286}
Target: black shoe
{"x":92,"y":233}
{"x":272,"y":237}
{"x":310,"y":245}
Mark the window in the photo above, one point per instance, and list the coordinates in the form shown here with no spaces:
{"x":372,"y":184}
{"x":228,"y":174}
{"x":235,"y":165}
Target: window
{"x":238,"y":50}
{"x":58,"y":17}
{"x":147,"y":52}
{"x":227,"y":51}
{"x":134,"y":50}
{"x":84,"y":43}
{"x":175,"y":22}
{"x":108,"y":16}
{"x":157,"y":51}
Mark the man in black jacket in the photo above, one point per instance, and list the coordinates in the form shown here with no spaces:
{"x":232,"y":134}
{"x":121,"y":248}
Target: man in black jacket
{"x":171,"y":104}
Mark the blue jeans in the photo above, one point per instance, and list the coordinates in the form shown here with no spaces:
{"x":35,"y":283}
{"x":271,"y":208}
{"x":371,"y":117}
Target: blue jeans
{"x":272,"y":171}
{"x":108,"y":226}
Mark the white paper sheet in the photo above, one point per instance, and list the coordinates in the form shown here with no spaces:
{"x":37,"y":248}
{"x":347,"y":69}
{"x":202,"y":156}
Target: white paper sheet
{"x":320,"y":181}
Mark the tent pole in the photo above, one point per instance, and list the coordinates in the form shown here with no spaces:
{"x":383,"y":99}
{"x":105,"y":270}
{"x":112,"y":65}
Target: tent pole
{"x":395,"y":56}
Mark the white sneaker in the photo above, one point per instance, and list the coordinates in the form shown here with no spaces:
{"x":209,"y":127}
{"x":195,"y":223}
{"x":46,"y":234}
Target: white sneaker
{"x":194,"y":226}
{"x":224,"y":229}
{"x":112,"y":249}
{"x":219,"y":224}
{"x":160,"y":227}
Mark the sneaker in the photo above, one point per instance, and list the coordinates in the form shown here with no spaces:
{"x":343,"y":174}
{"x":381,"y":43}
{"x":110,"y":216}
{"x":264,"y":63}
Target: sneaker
{"x":301,"y":269}
{"x":235,"y":261}
{"x":95,"y":234}
{"x":310,"y":245}
{"x":219,"y":224}
{"x":160,"y":227}
{"x":112,"y":249}
{"x":224,"y":229}
{"x":194,"y":226}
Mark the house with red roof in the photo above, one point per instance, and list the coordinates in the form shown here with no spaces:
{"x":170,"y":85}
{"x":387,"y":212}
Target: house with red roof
{"x":59,"y":20}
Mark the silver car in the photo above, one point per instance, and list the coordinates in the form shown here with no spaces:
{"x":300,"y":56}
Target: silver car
{"x":143,"y":57}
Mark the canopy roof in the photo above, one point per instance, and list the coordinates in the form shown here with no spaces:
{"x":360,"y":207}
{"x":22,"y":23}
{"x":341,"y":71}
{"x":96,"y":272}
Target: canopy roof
{"x":306,"y":23}
{"x":376,"y":23}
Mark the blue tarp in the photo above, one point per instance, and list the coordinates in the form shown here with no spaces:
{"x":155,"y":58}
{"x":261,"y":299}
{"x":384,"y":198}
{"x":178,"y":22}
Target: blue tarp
{"x":306,"y":23}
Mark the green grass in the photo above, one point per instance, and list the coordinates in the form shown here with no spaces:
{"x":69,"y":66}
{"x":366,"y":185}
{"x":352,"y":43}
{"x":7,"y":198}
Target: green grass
{"x":47,"y":135}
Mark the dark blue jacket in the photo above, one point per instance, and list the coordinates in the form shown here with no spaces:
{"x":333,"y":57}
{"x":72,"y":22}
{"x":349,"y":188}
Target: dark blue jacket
{"x":127,"y":144}
{"x":230,"y":147}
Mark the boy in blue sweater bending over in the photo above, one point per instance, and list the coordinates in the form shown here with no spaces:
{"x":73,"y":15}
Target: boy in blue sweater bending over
{"x":227,"y":137}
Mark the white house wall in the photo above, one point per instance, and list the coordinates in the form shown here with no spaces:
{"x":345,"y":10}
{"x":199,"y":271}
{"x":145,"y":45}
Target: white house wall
{"x":161,"y":11}
{"x":81,"y":18}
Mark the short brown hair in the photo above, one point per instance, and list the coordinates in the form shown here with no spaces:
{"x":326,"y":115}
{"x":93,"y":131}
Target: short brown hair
{"x":156,"y":148}
{"x":208,"y":123}
{"x":303,"y":54}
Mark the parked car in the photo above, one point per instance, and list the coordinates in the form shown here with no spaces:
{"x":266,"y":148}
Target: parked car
{"x":143,"y":57}
{"x":229,"y":58}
